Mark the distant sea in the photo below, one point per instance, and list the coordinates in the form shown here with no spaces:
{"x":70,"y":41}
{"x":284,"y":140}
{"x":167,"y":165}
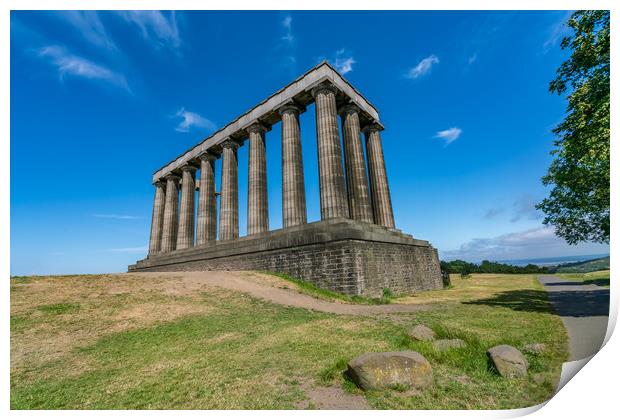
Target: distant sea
{"x":553,"y":260}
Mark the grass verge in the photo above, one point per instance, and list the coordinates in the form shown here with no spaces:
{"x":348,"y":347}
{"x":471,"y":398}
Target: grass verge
{"x":599,"y":278}
{"x":148,"y":344}
{"x":317,"y":292}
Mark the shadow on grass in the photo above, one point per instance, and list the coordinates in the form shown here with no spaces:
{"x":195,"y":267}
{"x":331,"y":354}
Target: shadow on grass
{"x":581,"y":303}
{"x":518,"y":300}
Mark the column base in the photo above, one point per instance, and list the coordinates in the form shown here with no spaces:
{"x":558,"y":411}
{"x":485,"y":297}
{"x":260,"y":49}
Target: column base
{"x":342,"y":255}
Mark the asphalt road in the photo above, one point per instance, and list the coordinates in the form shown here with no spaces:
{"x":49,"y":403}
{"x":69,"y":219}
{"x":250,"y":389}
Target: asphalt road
{"x":584,"y":309}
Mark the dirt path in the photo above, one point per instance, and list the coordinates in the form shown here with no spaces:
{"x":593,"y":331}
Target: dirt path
{"x":272,"y":289}
{"x":584,"y":310}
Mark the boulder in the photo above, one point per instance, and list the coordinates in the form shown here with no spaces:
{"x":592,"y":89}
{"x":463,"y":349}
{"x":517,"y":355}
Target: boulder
{"x":508,"y":361}
{"x":535,"y":348}
{"x":422,"y":333}
{"x":391,"y":369}
{"x":445,"y":344}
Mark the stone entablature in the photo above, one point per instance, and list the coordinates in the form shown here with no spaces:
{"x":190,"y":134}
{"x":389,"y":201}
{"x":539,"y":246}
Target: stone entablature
{"x":297,"y":92}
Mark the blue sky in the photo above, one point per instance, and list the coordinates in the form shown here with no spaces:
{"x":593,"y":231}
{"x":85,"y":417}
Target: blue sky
{"x":100,"y":100}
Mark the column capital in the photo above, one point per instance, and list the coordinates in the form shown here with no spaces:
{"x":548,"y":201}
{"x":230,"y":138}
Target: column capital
{"x":349,"y":109}
{"x":208,"y":156}
{"x":372,"y":127}
{"x":256,"y":127}
{"x":172,"y":177}
{"x":188,"y":168}
{"x":290,"y":107}
{"x":230,"y":144}
{"x":325,"y":86}
{"x":160,"y":183}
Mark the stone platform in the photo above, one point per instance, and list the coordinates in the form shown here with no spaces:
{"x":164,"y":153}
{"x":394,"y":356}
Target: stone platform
{"x":343,"y":255}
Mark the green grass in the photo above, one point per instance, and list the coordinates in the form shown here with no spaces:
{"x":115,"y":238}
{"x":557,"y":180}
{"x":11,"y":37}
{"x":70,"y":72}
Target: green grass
{"x":599,"y":278}
{"x":317,"y":292}
{"x":59,"y":308}
{"x":241,"y":352}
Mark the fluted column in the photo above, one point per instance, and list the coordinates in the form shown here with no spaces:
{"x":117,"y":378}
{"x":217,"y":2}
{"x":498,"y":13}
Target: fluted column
{"x":171,"y":214}
{"x":357,"y":183}
{"x":188,"y":205}
{"x":379,"y":188}
{"x":206,"y":229}
{"x":331,"y":173}
{"x":258,"y":210}
{"x":157,"y":221}
{"x":229,"y":196}
{"x":293,"y":191}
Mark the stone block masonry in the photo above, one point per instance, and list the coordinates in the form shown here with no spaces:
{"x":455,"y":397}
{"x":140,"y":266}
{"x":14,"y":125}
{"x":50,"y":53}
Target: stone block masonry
{"x":342,"y":255}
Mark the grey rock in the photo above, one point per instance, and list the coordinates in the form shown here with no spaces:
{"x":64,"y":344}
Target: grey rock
{"x":422,"y":333}
{"x":535,"y":348}
{"x":508,"y":361}
{"x":390,"y":369}
{"x":445,"y":344}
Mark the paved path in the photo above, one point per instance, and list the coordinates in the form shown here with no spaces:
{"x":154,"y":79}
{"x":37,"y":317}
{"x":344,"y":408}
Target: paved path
{"x":584,"y":309}
{"x":269,"y":288}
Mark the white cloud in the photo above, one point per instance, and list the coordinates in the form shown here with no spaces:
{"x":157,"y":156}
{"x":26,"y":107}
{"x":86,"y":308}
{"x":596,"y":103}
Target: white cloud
{"x":423,"y":67}
{"x":155,"y":26}
{"x":449,"y":135}
{"x":525,"y":208}
{"x":87,"y":22}
{"x":342,"y":61}
{"x":116,"y":216}
{"x":540,"y":242}
{"x":68,"y":64}
{"x":192,"y":119}
{"x":557,"y":31}
{"x":492,"y":213}
{"x":129,"y":249}
{"x":287,"y":23}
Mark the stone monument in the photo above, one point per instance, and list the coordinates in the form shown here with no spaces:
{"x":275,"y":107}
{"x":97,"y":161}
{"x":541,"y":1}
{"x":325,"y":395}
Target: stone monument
{"x":354,"y":249}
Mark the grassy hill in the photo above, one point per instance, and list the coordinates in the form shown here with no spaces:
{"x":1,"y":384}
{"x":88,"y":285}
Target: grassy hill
{"x":584,"y":266}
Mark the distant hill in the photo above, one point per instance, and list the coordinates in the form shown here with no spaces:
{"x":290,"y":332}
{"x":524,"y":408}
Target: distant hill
{"x":584,"y":266}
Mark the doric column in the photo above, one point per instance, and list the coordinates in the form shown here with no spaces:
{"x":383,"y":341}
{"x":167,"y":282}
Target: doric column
{"x":157,"y":221}
{"x":379,"y":188}
{"x":171,"y":214}
{"x":331,"y":174}
{"x":188,"y":205}
{"x":207,"y":213}
{"x":229,"y":196}
{"x":357,"y":183}
{"x":293,"y":191}
{"x":258,"y":218}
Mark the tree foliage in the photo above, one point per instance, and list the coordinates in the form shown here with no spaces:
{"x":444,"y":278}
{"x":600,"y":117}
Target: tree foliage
{"x":578,"y":204}
{"x":465,"y":268}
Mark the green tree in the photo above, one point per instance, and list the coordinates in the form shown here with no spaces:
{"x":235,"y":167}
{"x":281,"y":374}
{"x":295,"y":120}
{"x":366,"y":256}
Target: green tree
{"x":578,"y":204}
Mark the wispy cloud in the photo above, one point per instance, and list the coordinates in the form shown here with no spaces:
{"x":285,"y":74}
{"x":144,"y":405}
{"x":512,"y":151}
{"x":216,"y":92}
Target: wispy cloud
{"x":423,"y":67}
{"x":73,"y":65}
{"x":342,"y":60}
{"x":492,"y":213}
{"x":472,"y":59}
{"x":287,"y":24}
{"x":557,"y":31}
{"x":129,"y":249}
{"x":157,"y":27}
{"x":191,"y":120}
{"x":525,"y":208}
{"x":116,"y":216}
{"x":537,"y":242}
{"x":88,"y":23}
{"x":449,"y":135}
